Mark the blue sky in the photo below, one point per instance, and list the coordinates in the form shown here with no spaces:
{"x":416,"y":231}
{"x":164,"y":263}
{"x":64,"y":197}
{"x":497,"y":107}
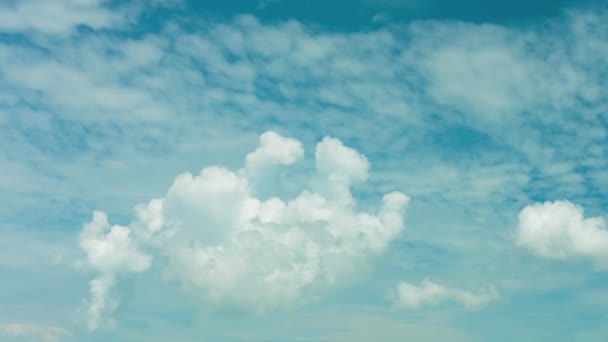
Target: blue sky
{"x":370,"y":170}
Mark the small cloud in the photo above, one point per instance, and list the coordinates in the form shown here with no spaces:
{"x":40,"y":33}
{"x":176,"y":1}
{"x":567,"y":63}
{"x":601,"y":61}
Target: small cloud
{"x":409,"y":296}
{"x":380,"y":18}
{"x":559,"y":230}
{"x":266,"y":3}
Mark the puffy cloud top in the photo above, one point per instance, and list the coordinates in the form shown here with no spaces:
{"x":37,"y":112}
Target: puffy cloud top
{"x":559,"y":230}
{"x":245,"y":253}
{"x":111,"y":250}
{"x":340,"y":162}
{"x":274,"y":149}
{"x":340,"y":166}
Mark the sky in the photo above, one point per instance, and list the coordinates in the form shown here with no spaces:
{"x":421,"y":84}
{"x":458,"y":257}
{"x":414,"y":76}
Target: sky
{"x":273,"y":170}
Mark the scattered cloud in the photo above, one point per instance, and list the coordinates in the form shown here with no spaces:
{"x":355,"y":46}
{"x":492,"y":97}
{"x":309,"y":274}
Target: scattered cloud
{"x":150,"y":96}
{"x":559,"y":230}
{"x":409,"y":296}
{"x":64,"y":16}
{"x":474,"y":117}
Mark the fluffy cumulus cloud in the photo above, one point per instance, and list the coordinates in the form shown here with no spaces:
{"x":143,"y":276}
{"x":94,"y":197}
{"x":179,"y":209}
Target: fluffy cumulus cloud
{"x":410,"y":296}
{"x":247,"y":253}
{"x":559,"y":230}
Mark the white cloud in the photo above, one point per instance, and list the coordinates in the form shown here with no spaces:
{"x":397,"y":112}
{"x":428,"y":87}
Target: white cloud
{"x":409,"y":296}
{"x":33,"y":332}
{"x":341,"y":167}
{"x":110,"y":251}
{"x":261,"y":165}
{"x":559,"y":230}
{"x":241,"y":252}
{"x":101,"y":305}
{"x":274,"y":149}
